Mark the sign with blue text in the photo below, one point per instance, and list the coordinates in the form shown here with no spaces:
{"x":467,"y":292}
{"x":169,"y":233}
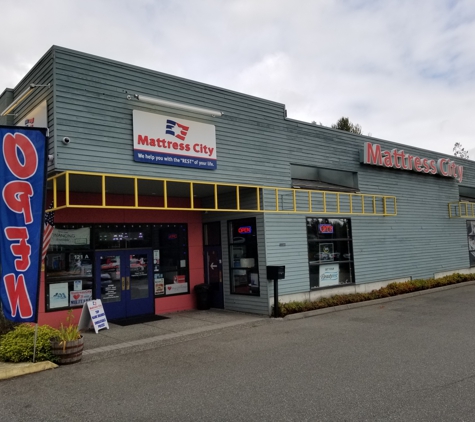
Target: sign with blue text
{"x":93,"y":314}
{"x":22,"y":206}
{"x":173,"y":141}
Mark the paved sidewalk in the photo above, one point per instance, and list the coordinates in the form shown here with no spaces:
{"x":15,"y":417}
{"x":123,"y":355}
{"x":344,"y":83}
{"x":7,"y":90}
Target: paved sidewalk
{"x":117,"y":340}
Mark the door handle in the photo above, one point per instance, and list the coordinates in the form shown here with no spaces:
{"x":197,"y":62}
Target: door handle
{"x":123,"y":283}
{"x":127,"y":279}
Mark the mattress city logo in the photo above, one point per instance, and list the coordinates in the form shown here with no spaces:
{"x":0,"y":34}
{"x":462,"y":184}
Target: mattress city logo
{"x":183,"y":130}
{"x":374,"y":155}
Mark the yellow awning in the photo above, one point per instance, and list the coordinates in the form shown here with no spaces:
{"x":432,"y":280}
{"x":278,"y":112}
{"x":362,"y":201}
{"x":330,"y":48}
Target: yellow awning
{"x":74,"y":189}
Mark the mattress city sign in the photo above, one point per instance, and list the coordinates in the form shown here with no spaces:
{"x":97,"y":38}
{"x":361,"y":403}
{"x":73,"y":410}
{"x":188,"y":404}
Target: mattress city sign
{"x":374,"y":155}
{"x":173,"y":141}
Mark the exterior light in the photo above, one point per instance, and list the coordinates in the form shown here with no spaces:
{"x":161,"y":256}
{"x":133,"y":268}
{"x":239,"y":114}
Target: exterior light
{"x":179,"y":106}
{"x":22,"y":97}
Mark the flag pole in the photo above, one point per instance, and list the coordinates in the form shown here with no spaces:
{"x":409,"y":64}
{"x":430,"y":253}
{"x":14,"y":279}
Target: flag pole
{"x":34,"y":342}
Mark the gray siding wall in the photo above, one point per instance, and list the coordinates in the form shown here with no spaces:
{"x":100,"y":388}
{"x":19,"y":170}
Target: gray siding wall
{"x":92,"y":109}
{"x":418,"y":242}
{"x":286,"y":244}
{"x":40,"y":74}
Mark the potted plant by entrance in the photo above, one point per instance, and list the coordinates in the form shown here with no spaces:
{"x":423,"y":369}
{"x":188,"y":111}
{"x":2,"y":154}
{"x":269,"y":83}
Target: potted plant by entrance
{"x":68,"y":344}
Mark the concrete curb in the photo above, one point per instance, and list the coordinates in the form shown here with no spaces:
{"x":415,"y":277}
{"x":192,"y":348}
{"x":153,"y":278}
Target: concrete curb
{"x":11,"y":370}
{"x":317,"y":312}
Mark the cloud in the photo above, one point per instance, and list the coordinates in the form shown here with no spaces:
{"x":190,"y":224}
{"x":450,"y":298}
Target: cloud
{"x":403,"y":70}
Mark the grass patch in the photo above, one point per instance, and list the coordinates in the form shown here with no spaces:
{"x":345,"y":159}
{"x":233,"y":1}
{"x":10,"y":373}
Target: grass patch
{"x":392,"y":289}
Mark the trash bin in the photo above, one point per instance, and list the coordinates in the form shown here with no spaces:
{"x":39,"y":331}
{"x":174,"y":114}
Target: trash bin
{"x":202,"y":296}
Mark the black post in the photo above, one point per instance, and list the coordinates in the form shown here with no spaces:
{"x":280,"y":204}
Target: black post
{"x":276,"y":297}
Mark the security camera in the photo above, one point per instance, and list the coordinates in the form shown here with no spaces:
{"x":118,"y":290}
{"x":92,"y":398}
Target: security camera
{"x":66,"y":140}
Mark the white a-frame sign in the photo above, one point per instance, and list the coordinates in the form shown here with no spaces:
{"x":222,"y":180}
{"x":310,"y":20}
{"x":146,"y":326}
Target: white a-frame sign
{"x":93,"y":313}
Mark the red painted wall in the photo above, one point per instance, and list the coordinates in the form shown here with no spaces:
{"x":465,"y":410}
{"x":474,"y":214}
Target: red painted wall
{"x":195,"y":245}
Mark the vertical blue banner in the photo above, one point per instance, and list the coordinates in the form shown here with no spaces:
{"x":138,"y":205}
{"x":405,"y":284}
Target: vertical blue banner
{"x":22,"y":182}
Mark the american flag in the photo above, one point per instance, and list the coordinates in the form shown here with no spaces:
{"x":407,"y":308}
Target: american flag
{"x":48,"y":231}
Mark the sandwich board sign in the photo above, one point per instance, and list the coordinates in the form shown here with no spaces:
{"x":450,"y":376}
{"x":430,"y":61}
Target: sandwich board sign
{"x":93,"y":313}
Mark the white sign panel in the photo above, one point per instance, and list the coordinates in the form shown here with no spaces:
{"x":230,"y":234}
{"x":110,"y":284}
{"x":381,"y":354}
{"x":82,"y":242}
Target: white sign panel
{"x":58,"y":295}
{"x":93,"y":312}
{"x":38,"y":117}
{"x":173,"y":141}
{"x":329,"y":275}
{"x":79,"y":297}
{"x":71,"y":237}
{"x":172,"y":289}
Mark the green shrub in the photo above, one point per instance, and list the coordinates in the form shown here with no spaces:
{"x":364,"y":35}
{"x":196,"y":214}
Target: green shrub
{"x":5,"y":324}
{"x":392,"y":289}
{"x":17,"y":345}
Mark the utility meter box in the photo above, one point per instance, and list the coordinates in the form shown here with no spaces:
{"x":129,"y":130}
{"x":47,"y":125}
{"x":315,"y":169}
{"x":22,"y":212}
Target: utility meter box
{"x":275,"y":272}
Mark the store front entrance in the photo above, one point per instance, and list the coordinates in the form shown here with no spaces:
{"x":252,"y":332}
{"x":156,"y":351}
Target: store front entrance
{"x":124,"y":282}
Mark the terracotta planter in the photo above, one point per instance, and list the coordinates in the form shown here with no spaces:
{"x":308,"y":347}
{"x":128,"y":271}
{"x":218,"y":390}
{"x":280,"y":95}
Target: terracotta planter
{"x":72,"y":353}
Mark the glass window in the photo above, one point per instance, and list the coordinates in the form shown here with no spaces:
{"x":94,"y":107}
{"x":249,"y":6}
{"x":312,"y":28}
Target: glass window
{"x":69,"y":267}
{"x":120,"y":236}
{"x":330,"y":252}
{"x":471,"y":241}
{"x":171,"y":262}
{"x":243,"y":257}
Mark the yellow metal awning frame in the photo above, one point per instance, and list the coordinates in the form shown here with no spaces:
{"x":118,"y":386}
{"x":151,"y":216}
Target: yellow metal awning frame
{"x":462,"y":209}
{"x":283,"y":200}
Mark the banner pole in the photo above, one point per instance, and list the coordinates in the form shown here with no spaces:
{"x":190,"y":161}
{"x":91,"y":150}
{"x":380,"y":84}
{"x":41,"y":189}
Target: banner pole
{"x":34,"y":342}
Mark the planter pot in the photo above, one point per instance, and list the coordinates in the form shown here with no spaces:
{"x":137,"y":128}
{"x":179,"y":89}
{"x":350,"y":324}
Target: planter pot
{"x":72,"y":353}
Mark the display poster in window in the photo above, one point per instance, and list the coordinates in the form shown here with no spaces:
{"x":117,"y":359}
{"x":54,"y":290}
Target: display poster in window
{"x":110,"y":292}
{"x":326,"y":251}
{"x":80,"y":264}
{"x":80,"y":297}
{"x":58,"y":295}
{"x":179,"y":279}
{"x":77,"y":285}
{"x":329,"y":274}
{"x":172,"y":289}
{"x":159,"y":284}
{"x":156,"y":257}
{"x":76,"y":237}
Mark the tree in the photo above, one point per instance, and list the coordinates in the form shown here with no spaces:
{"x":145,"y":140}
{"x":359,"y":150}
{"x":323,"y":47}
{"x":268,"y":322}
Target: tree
{"x":345,"y":124}
{"x":459,"y":151}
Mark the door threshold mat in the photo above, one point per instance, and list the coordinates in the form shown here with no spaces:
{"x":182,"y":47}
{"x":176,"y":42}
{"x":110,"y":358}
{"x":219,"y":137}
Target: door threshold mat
{"x":140,"y":319}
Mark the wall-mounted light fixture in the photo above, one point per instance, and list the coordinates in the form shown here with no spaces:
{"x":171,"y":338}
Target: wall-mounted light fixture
{"x":22,"y":97}
{"x":179,"y":106}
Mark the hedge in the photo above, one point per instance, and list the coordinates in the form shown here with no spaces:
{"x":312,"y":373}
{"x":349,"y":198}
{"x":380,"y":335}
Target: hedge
{"x":392,"y":289}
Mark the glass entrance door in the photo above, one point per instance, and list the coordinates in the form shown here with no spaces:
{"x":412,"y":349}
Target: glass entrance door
{"x":124,"y":282}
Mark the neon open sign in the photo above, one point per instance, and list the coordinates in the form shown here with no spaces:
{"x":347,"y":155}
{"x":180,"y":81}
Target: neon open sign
{"x":325,"y":228}
{"x":245,"y":230}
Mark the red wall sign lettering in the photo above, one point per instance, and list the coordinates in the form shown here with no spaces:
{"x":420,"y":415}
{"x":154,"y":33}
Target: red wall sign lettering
{"x":376,"y":156}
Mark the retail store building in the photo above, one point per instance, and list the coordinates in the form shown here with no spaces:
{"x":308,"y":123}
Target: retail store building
{"x":161,"y":183}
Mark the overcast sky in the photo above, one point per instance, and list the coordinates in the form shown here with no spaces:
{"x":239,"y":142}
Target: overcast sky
{"x":402,"y":69}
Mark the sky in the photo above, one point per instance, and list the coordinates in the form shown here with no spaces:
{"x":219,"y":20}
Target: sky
{"x":404,"y":70}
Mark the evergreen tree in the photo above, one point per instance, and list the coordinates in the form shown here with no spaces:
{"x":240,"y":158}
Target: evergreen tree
{"x":345,"y":124}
